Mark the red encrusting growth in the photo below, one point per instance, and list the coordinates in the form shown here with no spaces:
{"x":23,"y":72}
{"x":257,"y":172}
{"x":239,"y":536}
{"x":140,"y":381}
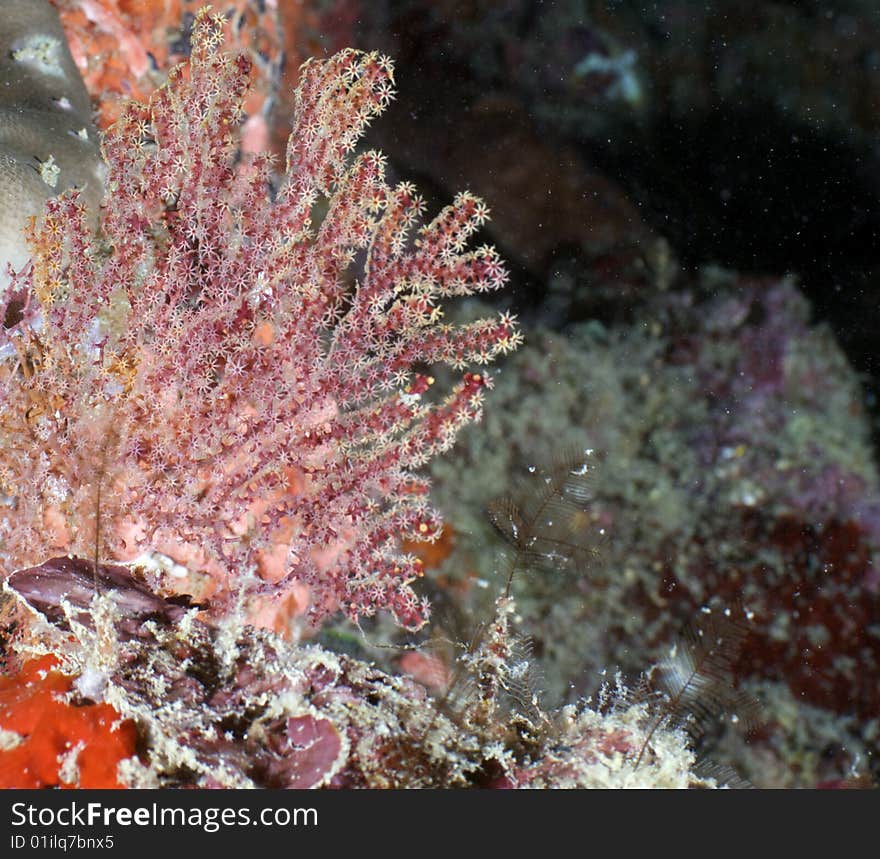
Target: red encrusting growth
{"x":48,"y":740}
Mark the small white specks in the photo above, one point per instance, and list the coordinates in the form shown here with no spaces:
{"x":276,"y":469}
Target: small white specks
{"x":41,"y":52}
{"x":9,"y":740}
{"x":50,"y":171}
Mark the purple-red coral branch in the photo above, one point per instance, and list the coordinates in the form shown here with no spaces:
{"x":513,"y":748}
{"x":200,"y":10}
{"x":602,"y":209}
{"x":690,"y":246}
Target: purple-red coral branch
{"x":213,"y":369}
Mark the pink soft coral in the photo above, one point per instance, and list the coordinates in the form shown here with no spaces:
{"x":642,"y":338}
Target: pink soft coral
{"x":208,"y":380}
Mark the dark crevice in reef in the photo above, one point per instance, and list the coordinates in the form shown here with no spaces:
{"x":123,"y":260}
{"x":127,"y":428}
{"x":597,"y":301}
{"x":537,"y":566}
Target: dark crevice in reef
{"x":751,"y":189}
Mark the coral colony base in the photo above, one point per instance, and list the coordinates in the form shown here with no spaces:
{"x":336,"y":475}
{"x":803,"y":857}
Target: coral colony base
{"x":213,"y":415}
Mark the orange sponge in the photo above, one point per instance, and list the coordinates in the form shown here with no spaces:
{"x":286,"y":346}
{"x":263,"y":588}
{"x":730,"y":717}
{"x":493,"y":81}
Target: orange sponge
{"x":46,"y":741}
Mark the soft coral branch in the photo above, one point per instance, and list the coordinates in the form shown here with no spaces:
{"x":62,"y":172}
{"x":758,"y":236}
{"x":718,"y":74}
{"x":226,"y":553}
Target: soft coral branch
{"x":206,"y":367}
